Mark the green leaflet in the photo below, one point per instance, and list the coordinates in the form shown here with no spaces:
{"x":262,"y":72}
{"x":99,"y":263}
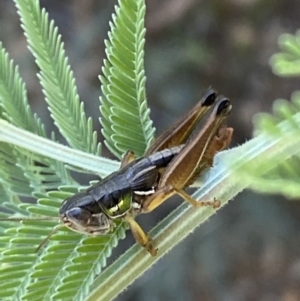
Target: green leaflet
{"x":123,"y":104}
{"x":287,"y":62}
{"x":56,"y":77}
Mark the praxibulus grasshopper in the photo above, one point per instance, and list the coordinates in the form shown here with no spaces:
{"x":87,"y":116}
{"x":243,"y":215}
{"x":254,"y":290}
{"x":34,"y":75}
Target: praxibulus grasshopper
{"x":170,"y":165}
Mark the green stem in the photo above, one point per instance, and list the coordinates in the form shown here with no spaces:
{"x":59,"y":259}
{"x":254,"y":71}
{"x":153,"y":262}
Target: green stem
{"x":48,"y":148}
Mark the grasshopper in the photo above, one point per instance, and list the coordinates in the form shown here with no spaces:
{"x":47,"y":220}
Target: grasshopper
{"x":169,"y":165}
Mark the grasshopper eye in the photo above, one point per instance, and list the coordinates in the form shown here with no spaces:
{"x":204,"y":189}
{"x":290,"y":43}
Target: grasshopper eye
{"x":83,"y":221}
{"x":224,"y":106}
{"x":209,"y":98}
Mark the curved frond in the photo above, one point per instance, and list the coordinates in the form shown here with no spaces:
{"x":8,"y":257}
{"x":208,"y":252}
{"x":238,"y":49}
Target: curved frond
{"x":277,"y":176}
{"x":125,"y":116}
{"x":287,"y":62}
{"x":56,"y":77}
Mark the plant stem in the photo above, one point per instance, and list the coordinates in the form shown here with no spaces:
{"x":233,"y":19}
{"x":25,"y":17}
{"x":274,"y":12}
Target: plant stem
{"x":48,"y":148}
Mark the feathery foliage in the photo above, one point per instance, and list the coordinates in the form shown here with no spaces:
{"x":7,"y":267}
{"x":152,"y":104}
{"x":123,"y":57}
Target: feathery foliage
{"x":123,"y":104}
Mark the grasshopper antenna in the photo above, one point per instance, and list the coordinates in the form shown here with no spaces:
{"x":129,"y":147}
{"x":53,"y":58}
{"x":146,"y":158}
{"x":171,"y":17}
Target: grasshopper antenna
{"x":48,"y":237}
{"x":20,"y":219}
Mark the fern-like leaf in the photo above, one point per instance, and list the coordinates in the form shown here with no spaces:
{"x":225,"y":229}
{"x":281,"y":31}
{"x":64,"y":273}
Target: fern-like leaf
{"x":287,"y":62}
{"x":56,"y":77}
{"x":281,"y":175}
{"x":125,"y":116}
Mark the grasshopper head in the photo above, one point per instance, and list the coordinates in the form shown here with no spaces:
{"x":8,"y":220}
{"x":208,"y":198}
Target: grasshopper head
{"x":83,"y":220}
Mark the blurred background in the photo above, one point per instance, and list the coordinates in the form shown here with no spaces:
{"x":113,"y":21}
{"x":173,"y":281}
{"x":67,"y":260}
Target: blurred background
{"x":250,"y":249}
